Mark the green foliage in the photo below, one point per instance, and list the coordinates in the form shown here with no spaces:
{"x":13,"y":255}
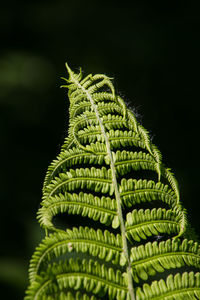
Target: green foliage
{"x":109,"y":171}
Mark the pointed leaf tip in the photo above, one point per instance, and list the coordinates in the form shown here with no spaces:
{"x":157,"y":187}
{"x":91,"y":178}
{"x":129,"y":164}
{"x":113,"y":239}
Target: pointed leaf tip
{"x":68,"y":68}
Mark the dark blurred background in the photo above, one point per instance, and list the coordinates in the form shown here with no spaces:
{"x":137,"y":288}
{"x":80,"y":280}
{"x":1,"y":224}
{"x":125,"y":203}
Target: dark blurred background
{"x":152,"y":52}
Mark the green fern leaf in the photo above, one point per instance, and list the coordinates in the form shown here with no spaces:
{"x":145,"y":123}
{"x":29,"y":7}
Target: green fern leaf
{"x":110,"y":176}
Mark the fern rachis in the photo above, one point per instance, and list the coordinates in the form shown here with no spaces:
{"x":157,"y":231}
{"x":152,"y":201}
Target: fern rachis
{"x":140,"y":225}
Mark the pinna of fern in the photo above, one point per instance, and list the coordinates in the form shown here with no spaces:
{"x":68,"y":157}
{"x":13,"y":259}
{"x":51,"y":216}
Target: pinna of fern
{"x":128,"y":239}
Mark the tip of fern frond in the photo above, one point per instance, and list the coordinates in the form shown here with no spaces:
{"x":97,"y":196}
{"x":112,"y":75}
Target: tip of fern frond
{"x":67,"y":67}
{"x":70,"y":72}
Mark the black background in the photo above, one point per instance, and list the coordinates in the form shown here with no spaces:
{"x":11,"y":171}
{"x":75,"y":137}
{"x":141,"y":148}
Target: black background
{"x":151,"y":50}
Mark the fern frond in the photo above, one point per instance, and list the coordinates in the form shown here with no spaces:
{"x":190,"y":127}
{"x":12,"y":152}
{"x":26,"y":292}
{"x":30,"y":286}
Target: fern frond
{"x":110,"y":173}
{"x":178,"y":287}
{"x":99,"y":180}
{"x":73,"y":157}
{"x":136,"y":191}
{"x":127,"y":161}
{"x":155,"y":257}
{"x":141,"y":224}
{"x":90,"y":276}
{"x":103,"y":245}
{"x":85,"y":204}
{"x":122,"y":139}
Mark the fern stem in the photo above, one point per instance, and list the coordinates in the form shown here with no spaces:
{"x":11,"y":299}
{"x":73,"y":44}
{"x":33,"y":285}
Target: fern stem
{"x":114,"y":182}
